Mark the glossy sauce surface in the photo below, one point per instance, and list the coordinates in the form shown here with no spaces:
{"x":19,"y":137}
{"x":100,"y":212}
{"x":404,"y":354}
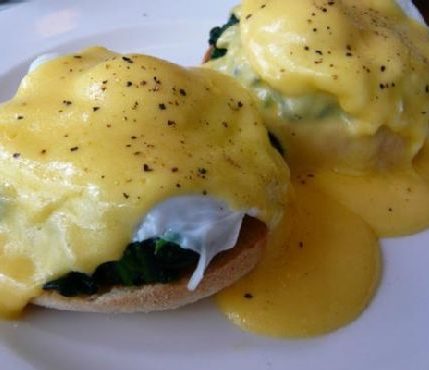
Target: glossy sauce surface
{"x":393,"y":203}
{"x":320,"y":270}
{"x":323,"y":264}
{"x":367,"y":54}
{"x":344,"y":87}
{"x":94,"y":140}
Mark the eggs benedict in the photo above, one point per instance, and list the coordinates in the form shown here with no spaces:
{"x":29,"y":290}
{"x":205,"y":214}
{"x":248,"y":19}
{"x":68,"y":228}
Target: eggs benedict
{"x":131,"y":184}
{"x":343,"y":86}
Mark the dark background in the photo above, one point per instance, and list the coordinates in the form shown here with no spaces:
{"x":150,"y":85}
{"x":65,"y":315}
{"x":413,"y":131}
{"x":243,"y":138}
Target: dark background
{"x":423,"y":5}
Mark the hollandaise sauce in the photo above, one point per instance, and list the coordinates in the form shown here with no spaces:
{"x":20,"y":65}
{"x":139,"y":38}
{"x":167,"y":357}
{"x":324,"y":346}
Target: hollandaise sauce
{"x":92,"y":141}
{"x":393,"y":203}
{"x":319,"y":272}
{"x":344,"y":86}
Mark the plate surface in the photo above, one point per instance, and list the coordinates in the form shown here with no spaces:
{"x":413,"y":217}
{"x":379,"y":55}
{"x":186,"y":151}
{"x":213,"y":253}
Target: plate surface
{"x":392,"y":334}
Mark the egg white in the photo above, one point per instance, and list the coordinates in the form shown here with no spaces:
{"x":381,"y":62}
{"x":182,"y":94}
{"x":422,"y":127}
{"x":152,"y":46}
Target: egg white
{"x":199,"y":223}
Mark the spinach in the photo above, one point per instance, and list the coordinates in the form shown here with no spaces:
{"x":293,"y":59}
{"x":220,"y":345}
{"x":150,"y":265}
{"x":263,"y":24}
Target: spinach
{"x":73,"y":284}
{"x":151,"y":261}
{"x":216,"y":33}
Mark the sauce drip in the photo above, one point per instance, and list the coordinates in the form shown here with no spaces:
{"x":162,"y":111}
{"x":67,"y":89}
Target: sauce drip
{"x":393,"y":203}
{"x":319,"y":272}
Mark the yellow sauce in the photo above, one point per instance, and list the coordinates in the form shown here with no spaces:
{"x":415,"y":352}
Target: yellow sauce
{"x":344,"y":86}
{"x":367,"y":54}
{"x":393,"y":203}
{"x":92,"y":141}
{"x":351,"y":75}
{"x":351,"y":161}
{"x":320,"y":270}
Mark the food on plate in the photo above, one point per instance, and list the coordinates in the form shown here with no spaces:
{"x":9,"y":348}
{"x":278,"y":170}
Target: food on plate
{"x":344,"y":87}
{"x":135,"y":184}
{"x":319,"y":271}
{"x":131,"y":184}
{"x":128,"y":180}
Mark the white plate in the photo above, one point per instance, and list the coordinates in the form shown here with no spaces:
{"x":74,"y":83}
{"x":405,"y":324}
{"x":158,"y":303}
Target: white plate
{"x":392,"y":334}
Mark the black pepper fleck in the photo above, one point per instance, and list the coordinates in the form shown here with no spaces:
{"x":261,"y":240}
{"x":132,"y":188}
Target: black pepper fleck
{"x":128,"y":60}
{"x":147,"y":168}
